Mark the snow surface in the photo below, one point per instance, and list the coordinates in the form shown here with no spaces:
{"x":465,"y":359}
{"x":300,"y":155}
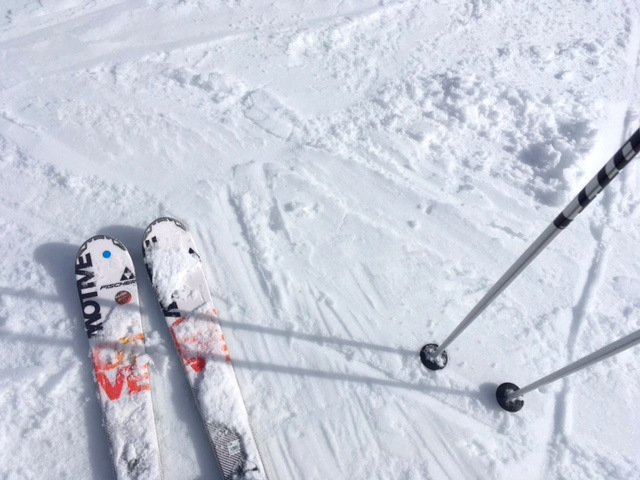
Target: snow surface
{"x":169,"y":269}
{"x":356,"y":174}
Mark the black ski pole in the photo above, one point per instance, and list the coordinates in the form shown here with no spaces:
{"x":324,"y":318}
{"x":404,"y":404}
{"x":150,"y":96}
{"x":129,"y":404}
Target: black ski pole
{"x":434,"y":356}
{"x":508,"y":394}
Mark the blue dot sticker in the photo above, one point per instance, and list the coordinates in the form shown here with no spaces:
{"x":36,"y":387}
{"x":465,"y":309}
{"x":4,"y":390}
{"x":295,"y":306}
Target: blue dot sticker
{"x":106,"y":254}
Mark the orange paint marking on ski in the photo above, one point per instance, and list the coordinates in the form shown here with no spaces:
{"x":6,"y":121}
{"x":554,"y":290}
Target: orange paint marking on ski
{"x":139,"y":337}
{"x":114,"y":390}
{"x":197,"y":363}
{"x":225,"y":348}
{"x":136,"y":381}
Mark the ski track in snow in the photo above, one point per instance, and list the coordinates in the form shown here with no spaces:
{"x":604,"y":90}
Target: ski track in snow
{"x":592,"y":274}
{"x":356,"y":175}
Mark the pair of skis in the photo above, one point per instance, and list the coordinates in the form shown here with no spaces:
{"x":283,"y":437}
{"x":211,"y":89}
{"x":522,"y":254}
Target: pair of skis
{"x":106,"y":281}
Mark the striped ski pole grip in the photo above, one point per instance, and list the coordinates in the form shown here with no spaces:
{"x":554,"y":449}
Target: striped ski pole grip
{"x":607,"y":173}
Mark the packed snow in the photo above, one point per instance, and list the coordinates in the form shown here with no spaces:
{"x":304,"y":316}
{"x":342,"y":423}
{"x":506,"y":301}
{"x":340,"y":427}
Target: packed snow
{"x":356,"y":176}
{"x":169,"y":269}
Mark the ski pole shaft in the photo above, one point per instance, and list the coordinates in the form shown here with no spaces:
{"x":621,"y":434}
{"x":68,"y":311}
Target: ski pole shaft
{"x":520,"y":264}
{"x":597,"y":356}
{"x":607,"y":173}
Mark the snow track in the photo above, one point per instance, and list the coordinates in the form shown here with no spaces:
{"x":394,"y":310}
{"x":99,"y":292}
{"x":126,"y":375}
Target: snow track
{"x":356,"y":174}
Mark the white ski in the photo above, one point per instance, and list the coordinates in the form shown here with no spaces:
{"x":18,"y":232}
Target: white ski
{"x":106,"y":283}
{"x":178,"y":277}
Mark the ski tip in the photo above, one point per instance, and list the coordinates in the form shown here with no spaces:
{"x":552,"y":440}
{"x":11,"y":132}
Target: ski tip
{"x":510,"y":404}
{"x":86,"y":243}
{"x":164,"y":219}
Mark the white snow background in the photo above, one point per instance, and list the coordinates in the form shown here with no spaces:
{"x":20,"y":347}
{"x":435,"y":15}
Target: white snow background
{"x":356,"y":174}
